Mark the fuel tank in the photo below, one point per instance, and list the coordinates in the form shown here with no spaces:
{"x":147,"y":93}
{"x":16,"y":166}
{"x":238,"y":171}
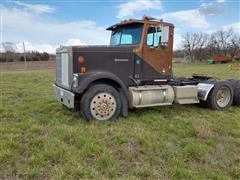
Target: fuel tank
{"x":148,"y":96}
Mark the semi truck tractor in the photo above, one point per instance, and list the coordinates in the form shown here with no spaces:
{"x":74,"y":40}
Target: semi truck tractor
{"x":134,"y":71}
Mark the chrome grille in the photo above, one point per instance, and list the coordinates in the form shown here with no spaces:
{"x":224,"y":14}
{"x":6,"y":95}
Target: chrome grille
{"x":58,"y":69}
{"x":64,"y":69}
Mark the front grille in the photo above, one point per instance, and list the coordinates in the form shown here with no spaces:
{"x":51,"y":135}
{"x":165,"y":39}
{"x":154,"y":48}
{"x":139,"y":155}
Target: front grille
{"x":63,"y":69}
{"x":58,"y":69}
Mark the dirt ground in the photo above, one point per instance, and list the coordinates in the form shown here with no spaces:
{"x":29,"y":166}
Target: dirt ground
{"x":31,"y":65}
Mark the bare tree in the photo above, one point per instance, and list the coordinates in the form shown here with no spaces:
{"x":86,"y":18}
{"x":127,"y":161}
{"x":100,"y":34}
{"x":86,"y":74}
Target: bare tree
{"x":222,"y":40}
{"x":199,"y":46}
{"x":234,"y":46}
{"x":212,"y":45}
{"x":194,"y":43}
{"x":9,"y":47}
{"x":189,"y":42}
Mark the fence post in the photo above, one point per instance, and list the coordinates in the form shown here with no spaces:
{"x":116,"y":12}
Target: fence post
{"x":24,"y":53}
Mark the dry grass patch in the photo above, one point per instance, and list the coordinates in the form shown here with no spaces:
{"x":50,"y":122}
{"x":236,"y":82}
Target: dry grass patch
{"x":203,"y":129}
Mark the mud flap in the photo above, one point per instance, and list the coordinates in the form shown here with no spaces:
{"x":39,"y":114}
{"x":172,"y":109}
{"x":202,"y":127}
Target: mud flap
{"x":124,"y":111}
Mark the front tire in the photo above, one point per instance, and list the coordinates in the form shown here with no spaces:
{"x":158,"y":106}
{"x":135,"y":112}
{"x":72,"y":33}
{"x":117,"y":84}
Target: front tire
{"x":221,"y":96}
{"x":101,"y":102}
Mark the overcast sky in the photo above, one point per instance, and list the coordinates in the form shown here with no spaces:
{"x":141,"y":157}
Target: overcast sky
{"x":44,"y":25}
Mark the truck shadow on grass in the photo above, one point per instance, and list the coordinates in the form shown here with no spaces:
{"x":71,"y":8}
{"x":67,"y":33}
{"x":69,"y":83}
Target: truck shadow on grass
{"x":163,"y":112}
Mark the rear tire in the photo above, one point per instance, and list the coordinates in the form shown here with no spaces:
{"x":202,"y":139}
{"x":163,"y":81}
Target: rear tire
{"x":101,"y":102}
{"x":236,"y":88}
{"x":221,"y":96}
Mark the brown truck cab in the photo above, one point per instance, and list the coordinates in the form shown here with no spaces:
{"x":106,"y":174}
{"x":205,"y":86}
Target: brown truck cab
{"x":134,"y":71}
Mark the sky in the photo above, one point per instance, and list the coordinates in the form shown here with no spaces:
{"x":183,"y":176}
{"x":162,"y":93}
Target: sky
{"x":44,"y":25}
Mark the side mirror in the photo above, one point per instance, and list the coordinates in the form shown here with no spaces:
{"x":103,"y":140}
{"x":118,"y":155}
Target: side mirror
{"x":165,"y":35}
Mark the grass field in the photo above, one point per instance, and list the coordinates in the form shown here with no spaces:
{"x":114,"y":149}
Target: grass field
{"x":40,"y":138}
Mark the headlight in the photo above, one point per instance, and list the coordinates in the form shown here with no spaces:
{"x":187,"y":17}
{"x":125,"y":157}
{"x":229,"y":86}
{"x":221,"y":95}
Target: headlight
{"x":75,"y":80}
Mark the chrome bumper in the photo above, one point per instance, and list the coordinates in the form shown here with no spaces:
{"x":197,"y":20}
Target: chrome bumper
{"x":63,"y":96}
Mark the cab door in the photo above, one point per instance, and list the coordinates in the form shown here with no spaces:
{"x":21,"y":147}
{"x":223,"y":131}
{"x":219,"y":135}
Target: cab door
{"x":156,"y":53}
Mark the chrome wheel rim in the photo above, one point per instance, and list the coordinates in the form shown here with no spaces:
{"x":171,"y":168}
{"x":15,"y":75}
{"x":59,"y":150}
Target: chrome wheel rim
{"x":223,"y":97}
{"x":103,"y":106}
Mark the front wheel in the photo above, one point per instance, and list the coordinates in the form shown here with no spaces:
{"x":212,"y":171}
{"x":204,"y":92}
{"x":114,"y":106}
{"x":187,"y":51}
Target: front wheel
{"x":101,"y":102}
{"x":221,"y":96}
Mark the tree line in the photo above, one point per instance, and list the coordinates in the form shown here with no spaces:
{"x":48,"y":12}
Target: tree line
{"x":200,"y":46}
{"x":10,"y":54}
{"x":30,"y":56}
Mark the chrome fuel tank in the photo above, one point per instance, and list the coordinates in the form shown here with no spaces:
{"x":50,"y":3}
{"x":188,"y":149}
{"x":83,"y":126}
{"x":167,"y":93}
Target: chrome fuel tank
{"x":147,"y":96}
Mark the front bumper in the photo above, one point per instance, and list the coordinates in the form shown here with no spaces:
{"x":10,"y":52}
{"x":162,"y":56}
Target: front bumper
{"x":63,"y":96}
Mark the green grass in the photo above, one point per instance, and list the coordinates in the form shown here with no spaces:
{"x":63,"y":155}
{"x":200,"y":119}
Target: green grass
{"x":40,"y":138}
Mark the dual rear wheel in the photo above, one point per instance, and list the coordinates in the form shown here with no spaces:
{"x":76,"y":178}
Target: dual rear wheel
{"x":236,"y":89}
{"x":221,"y":96}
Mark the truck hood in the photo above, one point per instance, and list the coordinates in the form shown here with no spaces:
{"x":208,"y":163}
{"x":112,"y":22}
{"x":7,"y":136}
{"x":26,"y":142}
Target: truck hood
{"x":105,"y":48}
{"x":96,"y":48}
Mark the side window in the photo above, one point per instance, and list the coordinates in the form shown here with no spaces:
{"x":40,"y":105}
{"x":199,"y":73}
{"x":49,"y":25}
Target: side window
{"x":150,"y":36}
{"x":153,"y":37}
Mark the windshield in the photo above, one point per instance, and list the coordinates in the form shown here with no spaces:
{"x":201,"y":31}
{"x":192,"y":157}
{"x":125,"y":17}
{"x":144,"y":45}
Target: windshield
{"x":130,"y":35}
